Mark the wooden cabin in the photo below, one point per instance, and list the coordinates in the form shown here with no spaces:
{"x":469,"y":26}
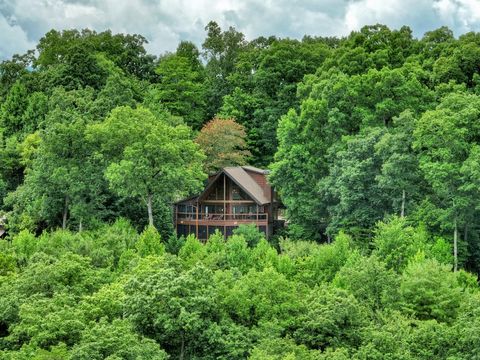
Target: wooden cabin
{"x":233,"y":196}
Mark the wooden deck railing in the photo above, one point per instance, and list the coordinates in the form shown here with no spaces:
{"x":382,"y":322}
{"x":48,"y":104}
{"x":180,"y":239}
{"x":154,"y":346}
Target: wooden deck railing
{"x":222,"y":217}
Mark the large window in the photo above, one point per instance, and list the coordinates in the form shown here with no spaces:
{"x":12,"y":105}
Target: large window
{"x":212,"y":209}
{"x":238,"y":194}
{"x":185,"y":211}
{"x":216,"y":193}
{"x":245,"y":209}
{"x":245,"y":212}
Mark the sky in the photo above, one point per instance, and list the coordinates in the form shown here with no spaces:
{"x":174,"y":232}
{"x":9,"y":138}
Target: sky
{"x":166,"y":22}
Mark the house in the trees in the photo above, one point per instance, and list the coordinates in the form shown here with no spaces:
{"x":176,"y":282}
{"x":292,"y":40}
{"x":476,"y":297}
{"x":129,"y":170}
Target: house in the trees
{"x":233,"y":196}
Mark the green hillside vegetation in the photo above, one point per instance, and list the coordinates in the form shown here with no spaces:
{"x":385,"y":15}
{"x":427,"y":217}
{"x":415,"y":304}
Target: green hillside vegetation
{"x":116,"y":294}
{"x":373,"y":142}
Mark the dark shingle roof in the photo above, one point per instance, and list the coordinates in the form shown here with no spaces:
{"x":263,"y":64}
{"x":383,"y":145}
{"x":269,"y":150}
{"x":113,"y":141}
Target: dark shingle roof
{"x":245,"y":181}
{"x":240,"y":176}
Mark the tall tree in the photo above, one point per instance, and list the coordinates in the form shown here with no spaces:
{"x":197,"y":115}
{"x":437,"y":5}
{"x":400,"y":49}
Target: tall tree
{"x":444,"y":138}
{"x":147,"y":158}
{"x":332,"y":108}
{"x":265,"y":85}
{"x":62,"y":176}
{"x":223,"y":141}
{"x":355,"y":201}
{"x":14,"y":69}
{"x":180,"y":88}
{"x":221,"y":50}
{"x":126,"y":51}
{"x":399,"y":174}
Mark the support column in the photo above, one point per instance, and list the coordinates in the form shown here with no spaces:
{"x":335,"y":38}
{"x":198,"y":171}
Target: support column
{"x":224,"y":197}
{"x":224,"y":206}
{"x":196,"y":222}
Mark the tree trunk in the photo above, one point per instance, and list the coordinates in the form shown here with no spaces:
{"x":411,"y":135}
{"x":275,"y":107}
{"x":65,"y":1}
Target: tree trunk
{"x":149,"y":208}
{"x":182,"y":348}
{"x":65,"y":213}
{"x":80,"y":226}
{"x":455,"y":248}
{"x":402,"y":212}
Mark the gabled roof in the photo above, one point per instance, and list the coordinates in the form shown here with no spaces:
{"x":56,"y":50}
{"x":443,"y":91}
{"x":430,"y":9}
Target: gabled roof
{"x":239,"y":176}
{"x":247,"y":184}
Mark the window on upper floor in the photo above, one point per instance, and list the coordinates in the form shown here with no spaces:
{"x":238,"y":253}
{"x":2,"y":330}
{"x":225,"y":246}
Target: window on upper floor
{"x":238,"y":194}
{"x":216,"y":193}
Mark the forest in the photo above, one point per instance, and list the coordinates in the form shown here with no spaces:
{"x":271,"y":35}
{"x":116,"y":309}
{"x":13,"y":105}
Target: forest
{"x":373,"y":143}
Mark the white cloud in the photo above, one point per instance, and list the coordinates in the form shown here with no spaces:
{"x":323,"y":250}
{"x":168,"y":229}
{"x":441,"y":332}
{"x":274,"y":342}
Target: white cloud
{"x":165,"y":22}
{"x":13,"y":39}
{"x":420,"y":15}
{"x":463,"y":15}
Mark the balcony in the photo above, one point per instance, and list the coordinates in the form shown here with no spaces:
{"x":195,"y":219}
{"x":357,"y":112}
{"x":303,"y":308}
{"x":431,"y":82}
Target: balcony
{"x":220,"y":219}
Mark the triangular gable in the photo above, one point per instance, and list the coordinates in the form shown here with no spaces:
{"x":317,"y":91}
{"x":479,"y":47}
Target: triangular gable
{"x":209,"y":185}
{"x":240,"y":177}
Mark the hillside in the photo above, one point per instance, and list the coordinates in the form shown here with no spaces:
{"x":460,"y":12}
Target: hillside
{"x":114,"y":294}
{"x":373,"y":145}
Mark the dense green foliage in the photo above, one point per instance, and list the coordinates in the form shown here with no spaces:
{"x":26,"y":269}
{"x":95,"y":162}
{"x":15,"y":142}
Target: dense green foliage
{"x":387,"y":125}
{"x":113,"y":293}
{"x":375,"y":124}
{"x":374,"y":145}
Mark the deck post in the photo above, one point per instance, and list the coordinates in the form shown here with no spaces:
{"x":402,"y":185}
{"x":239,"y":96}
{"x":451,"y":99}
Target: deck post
{"x":196,"y":221}
{"x":267,"y":229}
{"x":176,"y":219}
{"x":224,"y":206}
{"x":224,"y":197}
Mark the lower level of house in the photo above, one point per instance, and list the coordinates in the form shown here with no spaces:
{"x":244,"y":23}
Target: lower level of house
{"x":204,"y":231}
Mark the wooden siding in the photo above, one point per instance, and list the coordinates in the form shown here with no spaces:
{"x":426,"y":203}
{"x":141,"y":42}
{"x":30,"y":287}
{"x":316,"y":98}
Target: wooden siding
{"x":222,"y":212}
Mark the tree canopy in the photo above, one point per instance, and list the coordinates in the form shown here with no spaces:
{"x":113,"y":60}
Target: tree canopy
{"x":373,"y":145}
{"x":115,"y":294}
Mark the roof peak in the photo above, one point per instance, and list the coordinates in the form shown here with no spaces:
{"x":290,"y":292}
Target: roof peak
{"x":243,"y":177}
{"x":240,"y":176}
{"x":248,"y":168}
